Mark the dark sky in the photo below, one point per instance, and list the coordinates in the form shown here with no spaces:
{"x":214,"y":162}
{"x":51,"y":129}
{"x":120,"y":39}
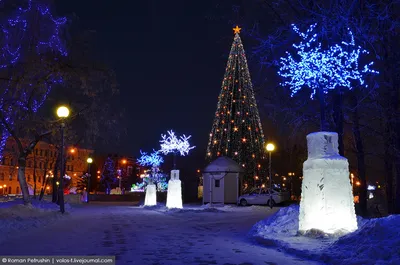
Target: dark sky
{"x":169,"y":60}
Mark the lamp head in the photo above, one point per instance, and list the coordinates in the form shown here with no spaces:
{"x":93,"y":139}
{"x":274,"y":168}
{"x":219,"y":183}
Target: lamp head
{"x":62,"y":112}
{"x":89,"y":160}
{"x":270,"y":147}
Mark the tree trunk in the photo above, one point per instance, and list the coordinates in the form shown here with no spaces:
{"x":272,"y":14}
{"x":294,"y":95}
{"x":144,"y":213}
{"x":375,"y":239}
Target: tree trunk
{"x":397,"y":188}
{"x":338,"y":118}
{"x":44,"y":185}
{"x":54,"y":180}
{"x":360,"y":159}
{"x":34,"y":175}
{"x":44,"y":181}
{"x":43,"y":189}
{"x":323,"y":123}
{"x":64,"y":167}
{"x":22,"y":179}
{"x":389,"y":181}
{"x":392,"y":144}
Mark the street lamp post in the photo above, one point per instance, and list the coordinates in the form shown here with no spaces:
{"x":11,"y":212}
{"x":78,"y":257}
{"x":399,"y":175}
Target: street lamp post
{"x":124,"y":161}
{"x":352,"y":182}
{"x":89,"y":161}
{"x":62,"y":112}
{"x":270,"y":147}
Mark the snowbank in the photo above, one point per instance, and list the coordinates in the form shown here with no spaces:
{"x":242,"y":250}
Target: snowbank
{"x":15,"y":217}
{"x":376,"y":241}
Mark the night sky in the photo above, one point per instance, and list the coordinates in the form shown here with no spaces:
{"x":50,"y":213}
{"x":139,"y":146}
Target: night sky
{"x":169,"y":60}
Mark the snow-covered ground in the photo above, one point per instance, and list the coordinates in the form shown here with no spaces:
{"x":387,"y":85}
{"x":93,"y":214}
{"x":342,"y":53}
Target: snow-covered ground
{"x":377,"y":241}
{"x":155,"y":235}
{"x":16,"y":217}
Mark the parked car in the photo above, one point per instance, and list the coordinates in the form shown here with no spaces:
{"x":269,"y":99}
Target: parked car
{"x":261,"y":196}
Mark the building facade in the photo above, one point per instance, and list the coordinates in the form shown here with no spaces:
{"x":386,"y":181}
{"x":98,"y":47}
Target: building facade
{"x":40,"y":165}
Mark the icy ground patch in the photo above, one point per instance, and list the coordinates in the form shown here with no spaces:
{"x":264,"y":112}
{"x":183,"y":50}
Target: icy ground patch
{"x":154,"y":235}
{"x":16,"y":218}
{"x":377,"y":241}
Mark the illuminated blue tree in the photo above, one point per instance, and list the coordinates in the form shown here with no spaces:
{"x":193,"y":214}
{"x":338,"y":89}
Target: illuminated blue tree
{"x":154,"y":161}
{"x":323,"y":69}
{"x":108,"y":174}
{"x":175,"y":145}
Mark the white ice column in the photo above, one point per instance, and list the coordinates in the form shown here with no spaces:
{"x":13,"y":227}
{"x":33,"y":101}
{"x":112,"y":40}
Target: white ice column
{"x":151,"y":195}
{"x":327,"y":198}
{"x":174,"y":194}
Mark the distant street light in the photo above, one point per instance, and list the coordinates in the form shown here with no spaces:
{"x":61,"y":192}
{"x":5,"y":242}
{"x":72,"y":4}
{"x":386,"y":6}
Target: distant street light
{"x":89,"y":161}
{"x":291,"y":174}
{"x":63,"y":113}
{"x":270,"y":147}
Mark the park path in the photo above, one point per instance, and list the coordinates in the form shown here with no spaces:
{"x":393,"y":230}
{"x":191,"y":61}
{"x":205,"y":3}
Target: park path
{"x":142,"y":236}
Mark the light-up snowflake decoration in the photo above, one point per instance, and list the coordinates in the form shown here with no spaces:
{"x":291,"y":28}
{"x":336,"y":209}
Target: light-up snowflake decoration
{"x":323,"y":69}
{"x":171,"y":144}
{"x":152,"y":160}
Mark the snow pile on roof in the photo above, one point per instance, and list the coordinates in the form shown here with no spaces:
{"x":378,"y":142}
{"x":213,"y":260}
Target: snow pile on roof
{"x":15,"y":217}
{"x":377,"y":241}
{"x":223,"y":164}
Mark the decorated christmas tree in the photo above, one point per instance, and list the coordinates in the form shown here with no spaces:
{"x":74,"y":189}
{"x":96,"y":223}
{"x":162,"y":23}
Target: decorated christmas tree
{"x":237,"y":131}
{"x":108,"y":174}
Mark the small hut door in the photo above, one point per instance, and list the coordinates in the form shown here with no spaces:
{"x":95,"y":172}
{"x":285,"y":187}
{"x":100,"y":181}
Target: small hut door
{"x":218,"y":188}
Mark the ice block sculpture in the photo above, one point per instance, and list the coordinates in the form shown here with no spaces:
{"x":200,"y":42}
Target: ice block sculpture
{"x":174,"y":193}
{"x":327,"y":198}
{"x":151,"y":195}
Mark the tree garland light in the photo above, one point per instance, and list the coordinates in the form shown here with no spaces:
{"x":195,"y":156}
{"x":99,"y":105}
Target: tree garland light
{"x":324,"y":69}
{"x":152,"y":160}
{"x":16,"y":40}
{"x":171,"y":144}
{"x":237,"y":131}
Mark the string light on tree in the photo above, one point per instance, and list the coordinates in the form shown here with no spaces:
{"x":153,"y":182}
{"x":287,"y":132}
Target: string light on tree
{"x":323,"y":69}
{"x":237,"y":112}
{"x":18,"y":43}
{"x":153,"y":160}
{"x":172,"y":144}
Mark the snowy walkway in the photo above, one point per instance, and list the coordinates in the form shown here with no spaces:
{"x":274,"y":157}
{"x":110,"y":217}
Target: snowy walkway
{"x":142,"y":236}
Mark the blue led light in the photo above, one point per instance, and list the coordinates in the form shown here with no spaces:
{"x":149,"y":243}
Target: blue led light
{"x":152,"y":160}
{"x":19,"y":33}
{"x":324,"y":69}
